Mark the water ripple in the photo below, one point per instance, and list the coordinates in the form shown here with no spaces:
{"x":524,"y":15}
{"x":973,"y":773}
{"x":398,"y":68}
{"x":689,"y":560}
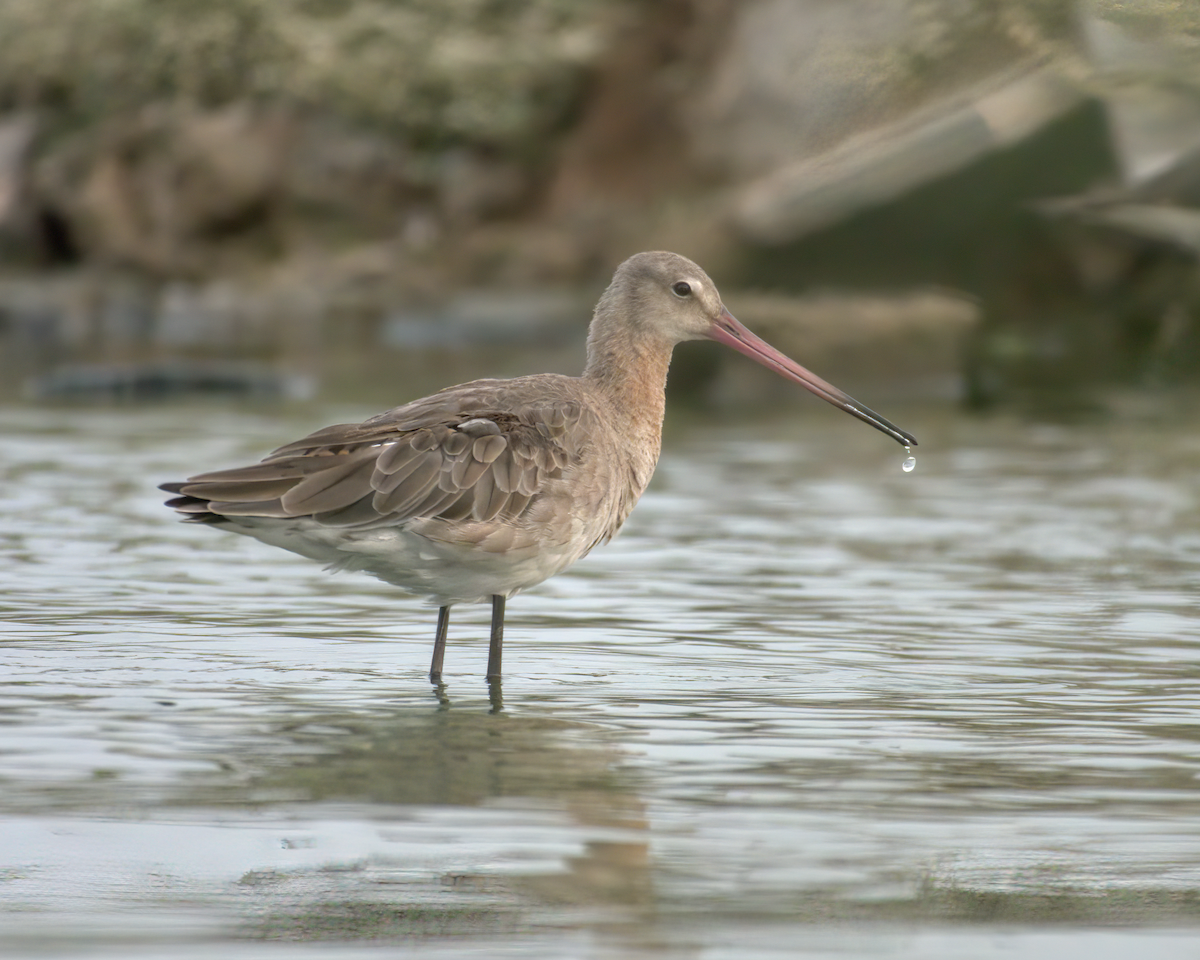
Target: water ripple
{"x":801,"y":683}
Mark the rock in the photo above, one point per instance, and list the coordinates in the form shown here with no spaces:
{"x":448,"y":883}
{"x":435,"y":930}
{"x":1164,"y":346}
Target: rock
{"x":17,"y":222}
{"x":190,"y":193}
{"x":631,"y":142}
{"x":1153,"y":112}
{"x":163,"y":190}
{"x":353,"y":176}
{"x":796,"y":78}
{"x":1172,"y":225}
{"x":16,"y":135}
{"x":474,"y":187}
{"x":884,"y":163}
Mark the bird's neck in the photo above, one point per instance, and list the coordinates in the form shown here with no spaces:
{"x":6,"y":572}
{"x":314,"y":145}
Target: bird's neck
{"x":631,"y":372}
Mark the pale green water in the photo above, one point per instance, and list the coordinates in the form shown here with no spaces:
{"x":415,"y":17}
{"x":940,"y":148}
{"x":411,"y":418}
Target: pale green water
{"x":807,"y":705}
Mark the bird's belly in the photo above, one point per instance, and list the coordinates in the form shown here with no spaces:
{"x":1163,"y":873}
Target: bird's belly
{"x":444,"y":570}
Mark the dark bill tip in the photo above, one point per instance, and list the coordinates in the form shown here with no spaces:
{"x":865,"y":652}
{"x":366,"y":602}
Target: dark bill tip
{"x":727,"y":330}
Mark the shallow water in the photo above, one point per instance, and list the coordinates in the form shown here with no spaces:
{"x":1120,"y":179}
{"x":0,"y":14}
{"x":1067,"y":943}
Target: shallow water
{"x":807,"y":705}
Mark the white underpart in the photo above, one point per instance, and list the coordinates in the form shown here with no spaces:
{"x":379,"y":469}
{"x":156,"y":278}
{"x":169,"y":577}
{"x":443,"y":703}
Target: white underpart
{"x":442,"y":571}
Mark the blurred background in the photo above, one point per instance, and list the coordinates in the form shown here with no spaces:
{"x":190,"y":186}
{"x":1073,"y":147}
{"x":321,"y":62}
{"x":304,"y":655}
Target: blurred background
{"x":808,"y":704}
{"x":993,"y":201}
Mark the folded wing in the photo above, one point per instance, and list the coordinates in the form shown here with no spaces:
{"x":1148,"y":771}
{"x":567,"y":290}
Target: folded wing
{"x":404,"y":465}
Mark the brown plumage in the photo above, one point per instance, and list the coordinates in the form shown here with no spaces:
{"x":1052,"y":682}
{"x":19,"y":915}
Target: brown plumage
{"x":490,"y":487}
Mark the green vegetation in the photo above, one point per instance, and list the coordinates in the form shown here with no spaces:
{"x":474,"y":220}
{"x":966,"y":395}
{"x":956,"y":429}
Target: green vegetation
{"x":495,"y":72}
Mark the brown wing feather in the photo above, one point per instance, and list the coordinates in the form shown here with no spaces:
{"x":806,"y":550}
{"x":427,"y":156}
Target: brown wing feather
{"x":465,"y":473}
{"x":451,"y":456}
{"x":404,"y":496}
{"x":271,"y":508}
{"x":344,"y":480}
{"x":248,"y":491}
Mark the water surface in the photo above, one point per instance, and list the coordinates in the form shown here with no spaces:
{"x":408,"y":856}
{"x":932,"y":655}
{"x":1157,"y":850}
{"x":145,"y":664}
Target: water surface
{"x":807,"y":704}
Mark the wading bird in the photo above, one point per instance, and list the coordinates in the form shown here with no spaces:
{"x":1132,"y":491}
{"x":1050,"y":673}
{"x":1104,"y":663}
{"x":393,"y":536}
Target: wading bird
{"x":488,"y":488}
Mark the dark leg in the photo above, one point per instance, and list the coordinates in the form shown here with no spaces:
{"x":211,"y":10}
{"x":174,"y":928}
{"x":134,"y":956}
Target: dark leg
{"x":497,"y":642}
{"x":439,"y":645}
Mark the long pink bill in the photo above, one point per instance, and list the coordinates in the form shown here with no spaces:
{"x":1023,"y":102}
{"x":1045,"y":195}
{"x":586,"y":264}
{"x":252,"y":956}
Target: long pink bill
{"x":728,"y":331}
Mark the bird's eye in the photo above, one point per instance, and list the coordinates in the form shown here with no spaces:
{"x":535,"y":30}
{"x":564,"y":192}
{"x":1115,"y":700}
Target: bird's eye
{"x":682,"y":289}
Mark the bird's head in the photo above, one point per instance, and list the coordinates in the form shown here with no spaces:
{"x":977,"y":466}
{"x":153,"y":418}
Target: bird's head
{"x":665,"y":298}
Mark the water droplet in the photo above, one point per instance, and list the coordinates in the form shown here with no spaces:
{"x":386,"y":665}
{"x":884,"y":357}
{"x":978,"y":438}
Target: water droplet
{"x":911,"y":463}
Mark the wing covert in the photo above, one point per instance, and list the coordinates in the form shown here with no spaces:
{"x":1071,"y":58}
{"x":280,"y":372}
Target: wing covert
{"x":478,"y":465}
